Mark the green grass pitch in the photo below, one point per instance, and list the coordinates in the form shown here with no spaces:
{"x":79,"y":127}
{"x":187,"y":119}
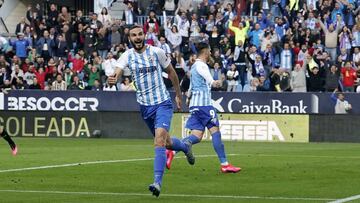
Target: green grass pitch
{"x":272,"y":172}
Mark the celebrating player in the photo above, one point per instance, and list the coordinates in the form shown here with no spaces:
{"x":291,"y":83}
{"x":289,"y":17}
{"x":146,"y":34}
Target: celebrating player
{"x":203,"y":114}
{"x":146,"y":64}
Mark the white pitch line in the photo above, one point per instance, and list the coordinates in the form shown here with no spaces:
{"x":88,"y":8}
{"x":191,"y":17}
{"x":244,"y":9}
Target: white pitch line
{"x":347,"y":199}
{"x":170,"y":195}
{"x":91,"y":163}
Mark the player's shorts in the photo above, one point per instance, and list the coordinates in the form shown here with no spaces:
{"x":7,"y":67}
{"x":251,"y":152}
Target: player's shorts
{"x":158,"y":116}
{"x":201,"y":117}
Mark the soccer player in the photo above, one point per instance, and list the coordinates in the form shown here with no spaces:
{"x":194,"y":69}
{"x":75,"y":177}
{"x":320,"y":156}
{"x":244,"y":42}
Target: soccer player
{"x":203,"y":114}
{"x":146,"y":64}
{"x":7,"y":137}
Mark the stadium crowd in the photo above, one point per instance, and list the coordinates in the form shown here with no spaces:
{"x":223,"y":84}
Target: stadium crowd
{"x":257,"y":45}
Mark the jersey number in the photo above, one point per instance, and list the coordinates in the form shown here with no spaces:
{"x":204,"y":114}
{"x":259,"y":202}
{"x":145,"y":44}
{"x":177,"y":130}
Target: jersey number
{"x":212,"y":113}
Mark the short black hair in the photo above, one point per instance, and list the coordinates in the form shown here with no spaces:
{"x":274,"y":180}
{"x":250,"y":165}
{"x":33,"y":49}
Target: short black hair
{"x":201,"y":46}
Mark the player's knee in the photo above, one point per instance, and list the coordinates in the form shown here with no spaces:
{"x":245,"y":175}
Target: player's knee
{"x":160,"y":140}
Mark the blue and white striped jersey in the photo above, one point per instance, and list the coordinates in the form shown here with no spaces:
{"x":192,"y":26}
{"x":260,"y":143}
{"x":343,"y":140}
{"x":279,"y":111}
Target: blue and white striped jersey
{"x":146,"y":71}
{"x":200,"y":84}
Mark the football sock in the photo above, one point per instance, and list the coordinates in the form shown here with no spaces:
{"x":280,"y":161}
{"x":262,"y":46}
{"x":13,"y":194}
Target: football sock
{"x":219,"y":147}
{"x":178,"y":145}
{"x":192,"y":138}
{"x":6,"y":137}
{"x":159,"y":164}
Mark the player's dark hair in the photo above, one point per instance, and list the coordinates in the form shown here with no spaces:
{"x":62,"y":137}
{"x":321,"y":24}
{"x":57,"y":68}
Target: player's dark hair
{"x":200,"y":47}
{"x":134,"y":27}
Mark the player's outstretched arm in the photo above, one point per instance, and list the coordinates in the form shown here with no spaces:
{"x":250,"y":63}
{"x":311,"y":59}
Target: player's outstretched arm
{"x":175,"y":82}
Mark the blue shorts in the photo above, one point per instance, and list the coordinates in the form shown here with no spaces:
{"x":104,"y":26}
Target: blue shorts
{"x":201,"y":117}
{"x":157,"y":116}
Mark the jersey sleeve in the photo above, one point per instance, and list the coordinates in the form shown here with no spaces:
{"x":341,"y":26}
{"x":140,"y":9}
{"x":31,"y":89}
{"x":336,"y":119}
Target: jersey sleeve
{"x":203,"y":70}
{"x":122,"y":62}
{"x":163,"y":59}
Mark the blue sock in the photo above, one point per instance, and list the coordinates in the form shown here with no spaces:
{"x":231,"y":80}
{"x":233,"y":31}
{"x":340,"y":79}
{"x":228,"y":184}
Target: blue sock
{"x":192,"y":138}
{"x":178,"y":145}
{"x":219,"y":147}
{"x":159,"y":164}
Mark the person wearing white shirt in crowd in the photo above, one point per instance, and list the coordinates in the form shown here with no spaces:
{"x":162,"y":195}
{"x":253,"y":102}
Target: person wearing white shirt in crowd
{"x":105,"y":18}
{"x":30,"y":75}
{"x":311,"y":4}
{"x":356,"y":56}
{"x":109,"y":65}
{"x":298,"y":78}
{"x":173,"y":36}
{"x":185,"y":5}
{"x":183,"y":26}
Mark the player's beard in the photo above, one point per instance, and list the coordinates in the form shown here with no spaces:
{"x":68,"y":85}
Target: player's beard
{"x":138,"y":45}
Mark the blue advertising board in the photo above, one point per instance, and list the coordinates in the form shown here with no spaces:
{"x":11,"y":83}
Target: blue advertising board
{"x":227,"y":102}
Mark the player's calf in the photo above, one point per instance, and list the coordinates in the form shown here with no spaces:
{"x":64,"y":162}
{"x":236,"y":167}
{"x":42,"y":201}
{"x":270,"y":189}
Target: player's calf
{"x":11,"y":143}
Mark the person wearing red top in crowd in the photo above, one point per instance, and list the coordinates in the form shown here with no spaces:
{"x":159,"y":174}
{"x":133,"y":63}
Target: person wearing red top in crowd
{"x":348,"y":77}
{"x":40,"y":76}
{"x":78,"y":63}
{"x":152,"y":22}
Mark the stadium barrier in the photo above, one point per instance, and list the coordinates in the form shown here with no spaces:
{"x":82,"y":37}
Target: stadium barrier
{"x":265,"y":117}
{"x":224,"y":102}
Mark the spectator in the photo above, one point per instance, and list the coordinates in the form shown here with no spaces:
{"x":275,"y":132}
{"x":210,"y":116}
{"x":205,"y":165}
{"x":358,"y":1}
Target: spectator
{"x":240,"y":32}
{"x":77,"y":84}
{"x":286,"y":58}
{"x":103,"y":45}
{"x":30,"y":75}
{"x":348,"y":77}
{"x":59,"y":83}
{"x":341,"y":105}
{"x":153,"y":23}
{"x":97,"y":86}
{"x":164,"y":46}
{"x":232,"y":76}
{"x":20,"y":45}
{"x":185,"y":5}
{"x":20,"y":28}
{"x":93,"y":74}
{"x":331,"y":38}
{"x":19,"y":84}
{"x":105,"y":17}
{"x":332,"y":78}
{"x":52,"y":16}
{"x":315,"y":81}
{"x":35,"y":85}
{"x":298,"y":79}
{"x":126,"y":85}
{"x":173,"y":37}
{"x":44,"y":46}
{"x":64,"y":16}
{"x":218,"y":74}
{"x":169,"y":7}
{"x":129,"y":15}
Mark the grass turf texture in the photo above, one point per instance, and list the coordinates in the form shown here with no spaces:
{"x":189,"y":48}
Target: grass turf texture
{"x":314,"y":170}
